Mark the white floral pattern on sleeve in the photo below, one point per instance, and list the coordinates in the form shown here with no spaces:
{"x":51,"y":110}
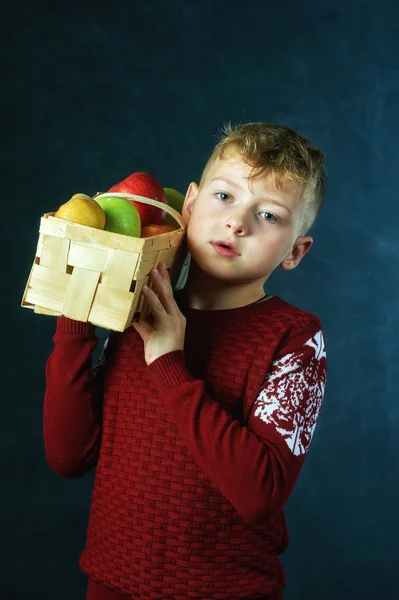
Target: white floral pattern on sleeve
{"x":293,"y":394}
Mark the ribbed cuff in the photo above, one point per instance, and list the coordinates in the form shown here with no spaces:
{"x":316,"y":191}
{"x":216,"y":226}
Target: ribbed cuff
{"x":65,"y":325}
{"x":169,"y":370}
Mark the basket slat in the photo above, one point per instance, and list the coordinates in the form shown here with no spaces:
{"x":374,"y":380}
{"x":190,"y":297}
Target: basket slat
{"x":166,"y":256}
{"x":110,"y":308}
{"x":80,"y":293}
{"x":47,"y":288}
{"x":39,"y":310}
{"x":51,"y":225}
{"x":120,"y":269}
{"x":145,"y":264}
{"x":93,"y":258}
{"x":54,"y":252}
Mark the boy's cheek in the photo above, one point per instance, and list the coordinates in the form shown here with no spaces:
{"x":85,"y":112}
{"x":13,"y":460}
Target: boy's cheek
{"x":195,"y":238}
{"x":196,"y":229}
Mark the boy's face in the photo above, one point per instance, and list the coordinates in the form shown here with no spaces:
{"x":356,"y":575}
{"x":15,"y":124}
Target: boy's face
{"x":241,"y":229}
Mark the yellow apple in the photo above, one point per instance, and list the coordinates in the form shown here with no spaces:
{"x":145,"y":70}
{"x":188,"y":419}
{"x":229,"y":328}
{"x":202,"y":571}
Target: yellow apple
{"x":83,"y":210}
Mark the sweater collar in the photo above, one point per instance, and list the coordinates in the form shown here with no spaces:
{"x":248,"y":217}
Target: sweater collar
{"x":262,"y":305}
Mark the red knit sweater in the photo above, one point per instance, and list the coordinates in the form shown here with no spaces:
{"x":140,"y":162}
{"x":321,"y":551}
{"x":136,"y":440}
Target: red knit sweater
{"x":196,"y":454}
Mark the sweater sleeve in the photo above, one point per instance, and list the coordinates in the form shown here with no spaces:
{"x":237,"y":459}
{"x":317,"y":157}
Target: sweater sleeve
{"x":254,"y":465}
{"x":73,"y":400}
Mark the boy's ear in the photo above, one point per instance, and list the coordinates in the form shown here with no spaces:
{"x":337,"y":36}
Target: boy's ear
{"x":301,"y":246}
{"x":191,"y":195}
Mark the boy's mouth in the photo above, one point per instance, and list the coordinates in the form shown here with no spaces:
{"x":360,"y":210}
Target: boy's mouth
{"x":225,"y":248}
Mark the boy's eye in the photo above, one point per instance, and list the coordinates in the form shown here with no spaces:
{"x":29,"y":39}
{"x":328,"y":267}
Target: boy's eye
{"x":222,"y":196}
{"x":268,"y":217}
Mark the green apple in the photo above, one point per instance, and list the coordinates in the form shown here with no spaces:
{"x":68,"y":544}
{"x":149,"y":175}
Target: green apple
{"x":175,"y":200}
{"x":121,"y":216}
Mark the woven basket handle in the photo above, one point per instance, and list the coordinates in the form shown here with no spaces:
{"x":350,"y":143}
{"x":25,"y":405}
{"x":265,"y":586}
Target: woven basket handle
{"x":171,"y":211}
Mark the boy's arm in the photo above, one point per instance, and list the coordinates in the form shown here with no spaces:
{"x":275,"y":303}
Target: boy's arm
{"x":73,"y":400}
{"x":255,"y":465}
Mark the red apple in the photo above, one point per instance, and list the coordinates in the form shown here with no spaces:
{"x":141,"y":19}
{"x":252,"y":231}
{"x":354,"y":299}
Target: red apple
{"x":156,"y":229}
{"x":144,"y":184}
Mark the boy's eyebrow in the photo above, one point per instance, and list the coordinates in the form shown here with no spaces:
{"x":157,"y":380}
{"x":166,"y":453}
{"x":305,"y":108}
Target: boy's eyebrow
{"x":281,"y":204}
{"x":229,"y":181}
{"x":268,"y":198}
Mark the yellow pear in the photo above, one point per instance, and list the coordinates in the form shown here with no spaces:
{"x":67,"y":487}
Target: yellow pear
{"x":83,"y":210}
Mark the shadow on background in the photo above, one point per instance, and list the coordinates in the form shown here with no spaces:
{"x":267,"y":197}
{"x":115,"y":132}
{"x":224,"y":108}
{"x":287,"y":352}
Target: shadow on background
{"x":91,"y":94}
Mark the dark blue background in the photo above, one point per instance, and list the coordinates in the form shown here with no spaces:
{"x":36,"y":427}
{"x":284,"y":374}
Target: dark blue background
{"x":92,"y":93}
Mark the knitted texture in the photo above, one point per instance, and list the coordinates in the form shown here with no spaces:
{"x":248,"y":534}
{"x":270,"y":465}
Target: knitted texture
{"x":98,"y":591}
{"x":196,"y":455}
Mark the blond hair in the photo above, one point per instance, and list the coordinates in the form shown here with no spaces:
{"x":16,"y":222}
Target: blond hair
{"x":285,"y":154}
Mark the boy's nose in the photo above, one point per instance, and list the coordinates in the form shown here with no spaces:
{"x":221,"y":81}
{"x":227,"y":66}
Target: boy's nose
{"x":237,"y":224}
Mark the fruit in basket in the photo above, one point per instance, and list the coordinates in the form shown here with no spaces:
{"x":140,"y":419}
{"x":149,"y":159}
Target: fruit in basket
{"x":144,"y":184}
{"x":83,"y":210}
{"x":121,"y":216}
{"x":176,"y":201}
{"x":156,"y":229}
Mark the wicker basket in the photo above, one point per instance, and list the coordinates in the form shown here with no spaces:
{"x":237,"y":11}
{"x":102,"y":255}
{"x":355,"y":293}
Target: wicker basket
{"x":93,"y":275}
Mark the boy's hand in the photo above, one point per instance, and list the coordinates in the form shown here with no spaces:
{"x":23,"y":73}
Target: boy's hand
{"x":165,"y":331}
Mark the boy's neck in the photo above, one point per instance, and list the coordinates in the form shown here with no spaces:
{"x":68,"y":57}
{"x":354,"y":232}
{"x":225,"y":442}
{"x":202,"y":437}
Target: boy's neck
{"x":207,"y":293}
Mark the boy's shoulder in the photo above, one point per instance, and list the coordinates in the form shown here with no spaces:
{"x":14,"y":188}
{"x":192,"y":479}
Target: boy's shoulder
{"x":289,"y":329}
{"x":280,"y":313}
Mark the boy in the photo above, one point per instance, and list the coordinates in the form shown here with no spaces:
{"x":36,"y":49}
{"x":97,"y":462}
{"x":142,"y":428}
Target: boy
{"x":199,"y":439}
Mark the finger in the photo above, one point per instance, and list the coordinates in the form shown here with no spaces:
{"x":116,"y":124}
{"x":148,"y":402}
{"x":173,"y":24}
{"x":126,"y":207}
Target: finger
{"x":162,"y":268}
{"x":163,"y":272}
{"x":163,"y":288}
{"x":155,"y":304}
